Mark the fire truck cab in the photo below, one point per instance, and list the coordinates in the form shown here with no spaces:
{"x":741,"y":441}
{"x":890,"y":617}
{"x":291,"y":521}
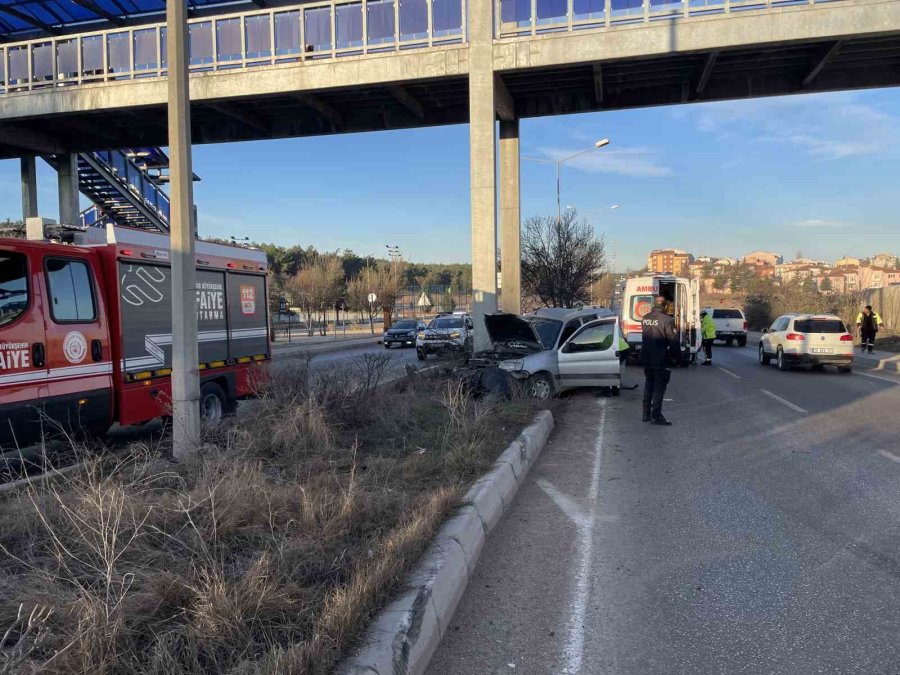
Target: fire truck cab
{"x":85,"y":330}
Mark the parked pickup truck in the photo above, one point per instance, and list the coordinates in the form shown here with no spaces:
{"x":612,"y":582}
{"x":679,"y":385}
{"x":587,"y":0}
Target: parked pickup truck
{"x":731,"y":325}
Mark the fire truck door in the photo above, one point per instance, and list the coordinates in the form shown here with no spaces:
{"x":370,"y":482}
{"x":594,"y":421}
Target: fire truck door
{"x":78,"y":351}
{"x":23,"y":363}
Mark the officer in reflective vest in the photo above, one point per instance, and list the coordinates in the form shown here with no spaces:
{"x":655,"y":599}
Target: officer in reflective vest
{"x":868,"y":322}
{"x":623,"y":349}
{"x":708,"y":332}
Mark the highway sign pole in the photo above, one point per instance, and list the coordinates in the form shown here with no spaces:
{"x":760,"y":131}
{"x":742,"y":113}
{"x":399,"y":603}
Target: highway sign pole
{"x":185,"y":356}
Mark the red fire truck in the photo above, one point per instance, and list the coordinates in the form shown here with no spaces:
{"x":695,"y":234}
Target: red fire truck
{"x":86,"y":330}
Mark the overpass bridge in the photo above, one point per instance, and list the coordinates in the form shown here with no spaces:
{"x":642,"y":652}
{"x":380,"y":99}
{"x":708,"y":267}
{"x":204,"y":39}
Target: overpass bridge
{"x":95,"y":79}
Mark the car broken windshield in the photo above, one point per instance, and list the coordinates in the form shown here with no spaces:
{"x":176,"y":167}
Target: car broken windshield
{"x":547,"y":330}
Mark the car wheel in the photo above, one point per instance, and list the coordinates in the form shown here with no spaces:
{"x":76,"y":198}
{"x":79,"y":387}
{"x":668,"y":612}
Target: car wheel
{"x":420,"y":354}
{"x":615,"y":391}
{"x":845,"y":369}
{"x":742,"y":342}
{"x":541,"y":387}
{"x":213,"y":404}
{"x":764,"y":359}
{"x":782,"y":364}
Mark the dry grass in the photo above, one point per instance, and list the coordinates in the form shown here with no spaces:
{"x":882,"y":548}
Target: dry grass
{"x":268,"y":551}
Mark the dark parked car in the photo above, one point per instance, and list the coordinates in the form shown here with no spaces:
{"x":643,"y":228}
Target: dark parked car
{"x":403,"y":333}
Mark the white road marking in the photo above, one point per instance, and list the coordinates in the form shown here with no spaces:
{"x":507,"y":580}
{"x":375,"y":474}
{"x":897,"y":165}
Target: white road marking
{"x":565,"y":503}
{"x":878,"y":377}
{"x":790,"y":405}
{"x":574,"y":648}
{"x":728,"y":372}
{"x":890,"y":455}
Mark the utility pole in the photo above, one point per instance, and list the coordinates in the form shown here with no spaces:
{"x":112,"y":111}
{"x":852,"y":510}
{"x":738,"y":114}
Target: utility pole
{"x":185,"y":356}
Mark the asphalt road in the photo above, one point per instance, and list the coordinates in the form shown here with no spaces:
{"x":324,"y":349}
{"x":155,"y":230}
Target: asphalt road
{"x":398,"y":357}
{"x":759,"y":534}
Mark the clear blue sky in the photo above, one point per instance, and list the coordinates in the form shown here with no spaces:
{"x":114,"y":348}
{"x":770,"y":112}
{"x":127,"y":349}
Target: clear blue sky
{"x":818,"y":173}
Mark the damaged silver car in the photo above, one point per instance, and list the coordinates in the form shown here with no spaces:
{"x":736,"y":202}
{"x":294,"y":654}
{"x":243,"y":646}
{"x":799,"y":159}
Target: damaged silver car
{"x":554,"y":349}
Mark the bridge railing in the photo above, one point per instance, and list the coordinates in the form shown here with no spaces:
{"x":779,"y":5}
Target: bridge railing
{"x":309,"y":32}
{"x":518,"y":18}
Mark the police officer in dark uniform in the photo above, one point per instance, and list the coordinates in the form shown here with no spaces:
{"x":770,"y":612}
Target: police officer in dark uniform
{"x":659,"y":343}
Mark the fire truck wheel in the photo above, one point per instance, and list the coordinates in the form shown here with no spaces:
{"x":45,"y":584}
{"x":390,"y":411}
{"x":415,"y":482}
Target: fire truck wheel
{"x":213,"y":404}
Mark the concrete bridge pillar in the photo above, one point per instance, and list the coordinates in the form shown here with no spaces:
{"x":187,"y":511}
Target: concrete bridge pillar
{"x":67,"y":177}
{"x":483,"y":157}
{"x":28,"y":166}
{"x":510,"y":219}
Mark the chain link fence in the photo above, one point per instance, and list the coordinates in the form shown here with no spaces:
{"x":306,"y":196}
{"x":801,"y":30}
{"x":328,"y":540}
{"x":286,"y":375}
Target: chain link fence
{"x":420,"y":301}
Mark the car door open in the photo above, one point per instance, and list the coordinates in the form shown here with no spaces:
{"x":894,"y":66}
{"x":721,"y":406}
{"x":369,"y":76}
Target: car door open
{"x":590,"y":358}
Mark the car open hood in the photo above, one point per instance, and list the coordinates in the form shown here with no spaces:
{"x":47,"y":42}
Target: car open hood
{"x":506,"y":328}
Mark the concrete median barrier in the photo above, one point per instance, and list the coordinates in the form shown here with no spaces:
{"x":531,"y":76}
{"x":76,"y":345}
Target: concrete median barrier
{"x":406,"y":634}
{"x":282,"y":349}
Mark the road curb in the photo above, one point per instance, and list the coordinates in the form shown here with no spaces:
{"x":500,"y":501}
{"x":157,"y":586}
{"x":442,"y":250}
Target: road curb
{"x":405,"y":634}
{"x":889,"y":365}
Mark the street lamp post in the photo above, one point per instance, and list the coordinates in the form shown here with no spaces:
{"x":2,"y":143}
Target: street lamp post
{"x":599,"y":144}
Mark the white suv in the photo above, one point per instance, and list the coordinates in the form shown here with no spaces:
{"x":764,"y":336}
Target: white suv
{"x":815,"y":340}
{"x":731,"y":325}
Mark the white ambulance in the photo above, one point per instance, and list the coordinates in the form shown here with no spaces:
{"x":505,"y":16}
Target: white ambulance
{"x":684,"y":305}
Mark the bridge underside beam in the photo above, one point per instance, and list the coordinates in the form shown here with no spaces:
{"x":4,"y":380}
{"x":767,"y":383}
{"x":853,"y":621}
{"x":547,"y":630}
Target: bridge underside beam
{"x":732,"y":74}
{"x":348,"y":110}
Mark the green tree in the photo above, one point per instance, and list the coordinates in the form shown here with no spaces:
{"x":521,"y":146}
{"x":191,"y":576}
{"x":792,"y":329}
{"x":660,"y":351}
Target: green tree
{"x":14,"y":229}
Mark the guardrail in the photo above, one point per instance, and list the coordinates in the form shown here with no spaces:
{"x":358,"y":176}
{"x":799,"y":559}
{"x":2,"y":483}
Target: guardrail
{"x":521,"y":18}
{"x":309,"y":32}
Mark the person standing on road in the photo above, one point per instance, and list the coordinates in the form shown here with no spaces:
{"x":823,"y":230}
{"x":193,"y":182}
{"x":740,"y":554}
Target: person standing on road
{"x":708,"y":332}
{"x":659,"y":344}
{"x":623,"y":349}
{"x":868,"y":322}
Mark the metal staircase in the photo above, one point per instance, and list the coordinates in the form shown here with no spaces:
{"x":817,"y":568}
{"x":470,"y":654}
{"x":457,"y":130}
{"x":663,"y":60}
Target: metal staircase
{"x":125,"y":187}
{"x":122,"y":190}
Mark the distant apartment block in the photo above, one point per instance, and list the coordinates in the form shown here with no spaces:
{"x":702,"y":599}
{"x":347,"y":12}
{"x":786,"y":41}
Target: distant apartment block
{"x":848,"y":275}
{"x":885,"y":260}
{"x":762,"y":258}
{"x":669,"y":260}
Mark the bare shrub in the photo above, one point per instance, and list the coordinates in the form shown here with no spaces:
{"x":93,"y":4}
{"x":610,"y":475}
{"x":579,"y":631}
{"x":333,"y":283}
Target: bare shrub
{"x":265,"y":552}
{"x":22,"y":639}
